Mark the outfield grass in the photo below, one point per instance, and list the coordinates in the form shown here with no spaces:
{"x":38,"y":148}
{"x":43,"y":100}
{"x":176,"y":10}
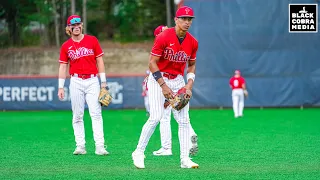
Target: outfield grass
{"x":265,"y":144}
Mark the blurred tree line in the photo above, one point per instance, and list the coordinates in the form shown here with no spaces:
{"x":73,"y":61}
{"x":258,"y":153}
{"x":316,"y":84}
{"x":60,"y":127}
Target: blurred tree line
{"x":43,"y":22}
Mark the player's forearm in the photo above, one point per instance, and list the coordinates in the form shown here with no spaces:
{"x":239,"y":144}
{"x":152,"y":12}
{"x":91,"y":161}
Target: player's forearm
{"x":62,"y":71}
{"x":154,"y":69}
{"x":62,"y":75}
{"x":191,"y":73}
{"x":244,"y":87}
{"x":101,"y":70}
{"x":100,"y":65}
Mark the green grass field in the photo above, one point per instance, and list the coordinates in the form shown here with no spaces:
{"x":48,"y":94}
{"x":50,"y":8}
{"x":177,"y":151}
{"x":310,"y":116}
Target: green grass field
{"x":265,"y":144}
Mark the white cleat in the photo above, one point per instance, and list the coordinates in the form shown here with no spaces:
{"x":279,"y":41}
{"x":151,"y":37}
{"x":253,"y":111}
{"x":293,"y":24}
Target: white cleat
{"x":163,"y":152}
{"x":187,"y":163}
{"x":194,"y":145}
{"x":138,"y":159}
{"x":80,"y":150}
{"x":101,"y":151}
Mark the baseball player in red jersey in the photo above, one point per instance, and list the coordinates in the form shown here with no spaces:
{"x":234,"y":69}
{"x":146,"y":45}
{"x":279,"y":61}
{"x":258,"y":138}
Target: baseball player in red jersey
{"x":84,"y":54}
{"x":165,"y":126}
{"x":172,"y":50}
{"x":238,"y":86}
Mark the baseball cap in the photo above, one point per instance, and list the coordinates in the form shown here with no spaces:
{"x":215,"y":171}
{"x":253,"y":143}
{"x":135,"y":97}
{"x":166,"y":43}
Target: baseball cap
{"x":73,"y":19}
{"x":158,"y":30}
{"x":237,"y":72}
{"x":185,"y":11}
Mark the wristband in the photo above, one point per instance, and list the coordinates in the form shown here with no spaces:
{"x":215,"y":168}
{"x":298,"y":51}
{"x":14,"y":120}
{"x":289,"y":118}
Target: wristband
{"x":61,"y":82}
{"x":103,"y":77}
{"x":191,"y":76}
{"x":157,"y":75}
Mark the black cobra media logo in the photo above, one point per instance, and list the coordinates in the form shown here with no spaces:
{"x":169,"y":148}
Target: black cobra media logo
{"x":303,"y":18}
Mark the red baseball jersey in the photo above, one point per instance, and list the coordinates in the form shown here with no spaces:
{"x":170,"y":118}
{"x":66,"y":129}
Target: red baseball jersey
{"x":237,"y":82}
{"x":173,"y":55}
{"x":81,"y":55}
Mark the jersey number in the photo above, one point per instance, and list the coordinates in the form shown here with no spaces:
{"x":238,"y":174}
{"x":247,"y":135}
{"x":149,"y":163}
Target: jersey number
{"x":235,"y":83}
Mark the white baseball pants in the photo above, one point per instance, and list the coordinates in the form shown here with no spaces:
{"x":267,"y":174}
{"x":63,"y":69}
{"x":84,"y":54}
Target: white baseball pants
{"x":238,"y":102}
{"x":156,"y":101}
{"x":146,"y":103}
{"x":165,"y":128}
{"x":81,"y":91}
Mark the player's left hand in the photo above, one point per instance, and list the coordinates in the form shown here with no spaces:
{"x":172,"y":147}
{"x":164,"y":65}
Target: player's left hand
{"x":245,"y":92}
{"x":61,"y":94}
{"x":188,"y":91}
{"x":103,"y":85}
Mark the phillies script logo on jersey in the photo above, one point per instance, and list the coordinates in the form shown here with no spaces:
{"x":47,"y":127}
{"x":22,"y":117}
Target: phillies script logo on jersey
{"x":81,"y":52}
{"x":179,"y":56}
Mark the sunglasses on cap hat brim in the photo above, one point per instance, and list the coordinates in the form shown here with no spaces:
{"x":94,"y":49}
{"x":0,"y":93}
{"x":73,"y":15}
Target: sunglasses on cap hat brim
{"x":75,"y":21}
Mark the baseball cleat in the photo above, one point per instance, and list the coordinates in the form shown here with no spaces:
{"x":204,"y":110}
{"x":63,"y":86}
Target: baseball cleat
{"x":194,"y":145}
{"x":187,"y":163}
{"x":101,"y":151}
{"x":163,"y":152}
{"x":80,"y":150}
{"x":138,"y":159}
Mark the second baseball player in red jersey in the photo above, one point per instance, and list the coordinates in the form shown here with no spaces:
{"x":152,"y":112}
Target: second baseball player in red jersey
{"x":239,"y":91}
{"x":84,"y":54}
{"x":165,"y":126}
{"x":173,"y":49}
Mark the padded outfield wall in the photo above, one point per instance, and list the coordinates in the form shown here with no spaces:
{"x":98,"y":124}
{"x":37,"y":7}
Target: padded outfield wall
{"x":281,"y":68}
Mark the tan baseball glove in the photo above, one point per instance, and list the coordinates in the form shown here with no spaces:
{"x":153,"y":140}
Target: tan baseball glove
{"x":180,"y":100}
{"x":245,"y":92}
{"x":104,"y":97}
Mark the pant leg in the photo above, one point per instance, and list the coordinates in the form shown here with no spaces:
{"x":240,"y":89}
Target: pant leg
{"x":191,"y":130}
{"x":235,"y":102}
{"x":92,"y":92}
{"x":156,"y":101}
{"x":241,"y":103}
{"x":146,"y":103}
{"x":165,"y":129}
{"x":182,"y":119}
{"x":76,"y":89}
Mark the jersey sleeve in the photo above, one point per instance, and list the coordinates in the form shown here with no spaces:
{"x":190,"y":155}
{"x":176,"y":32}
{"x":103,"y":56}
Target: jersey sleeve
{"x":97,"y":48}
{"x":158,"y":46}
{"x":63,"y":55}
{"x":194,"y":52}
{"x":243,"y":81}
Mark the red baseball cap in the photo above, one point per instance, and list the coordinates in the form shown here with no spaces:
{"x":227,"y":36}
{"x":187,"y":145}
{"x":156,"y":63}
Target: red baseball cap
{"x":73,"y":19}
{"x":158,"y":30}
{"x":185,"y":11}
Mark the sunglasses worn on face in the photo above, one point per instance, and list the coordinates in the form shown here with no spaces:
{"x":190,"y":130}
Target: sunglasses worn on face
{"x":75,"y":20}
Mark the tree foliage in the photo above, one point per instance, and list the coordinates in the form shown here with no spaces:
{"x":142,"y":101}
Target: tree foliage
{"x":120,"y":20}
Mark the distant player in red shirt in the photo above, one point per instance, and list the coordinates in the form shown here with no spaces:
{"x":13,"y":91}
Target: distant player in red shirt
{"x":84,"y":54}
{"x":165,"y":126}
{"x":238,"y":86}
{"x":173,"y":49}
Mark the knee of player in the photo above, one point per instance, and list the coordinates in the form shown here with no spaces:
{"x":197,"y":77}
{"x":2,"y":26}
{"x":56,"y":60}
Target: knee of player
{"x":77,"y":118}
{"x":153,"y":121}
{"x":96,"y":116}
{"x":183,"y":121}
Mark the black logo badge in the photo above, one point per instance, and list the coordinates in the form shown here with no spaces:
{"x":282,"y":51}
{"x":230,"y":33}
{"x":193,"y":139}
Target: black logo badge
{"x":303,"y":18}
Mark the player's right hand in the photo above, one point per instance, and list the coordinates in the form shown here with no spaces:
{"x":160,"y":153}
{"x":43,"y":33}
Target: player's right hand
{"x":167,"y":92}
{"x":61,"y":93}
